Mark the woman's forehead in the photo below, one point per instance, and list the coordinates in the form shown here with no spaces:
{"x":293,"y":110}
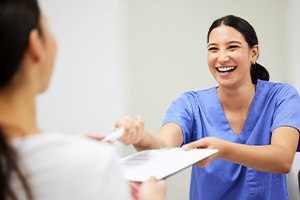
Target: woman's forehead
{"x":225,"y":33}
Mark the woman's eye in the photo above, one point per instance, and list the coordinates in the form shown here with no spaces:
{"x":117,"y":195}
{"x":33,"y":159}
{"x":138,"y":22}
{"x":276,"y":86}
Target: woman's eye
{"x":212,"y":49}
{"x":233,"y":47}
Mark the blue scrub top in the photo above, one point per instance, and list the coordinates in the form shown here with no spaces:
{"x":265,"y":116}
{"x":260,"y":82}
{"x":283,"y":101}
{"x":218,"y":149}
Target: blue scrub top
{"x":200,"y":114}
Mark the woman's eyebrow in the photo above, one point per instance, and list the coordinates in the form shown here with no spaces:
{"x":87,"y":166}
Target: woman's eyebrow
{"x":229,"y":42}
{"x":211,"y":44}
{"x":234,"y":42}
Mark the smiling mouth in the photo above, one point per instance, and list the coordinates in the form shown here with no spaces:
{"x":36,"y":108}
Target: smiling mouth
{"x":225,"y":69}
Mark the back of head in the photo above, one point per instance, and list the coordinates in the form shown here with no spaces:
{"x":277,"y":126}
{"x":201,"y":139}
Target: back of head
{"x":257,"y":71}
{"x":17,"y":19}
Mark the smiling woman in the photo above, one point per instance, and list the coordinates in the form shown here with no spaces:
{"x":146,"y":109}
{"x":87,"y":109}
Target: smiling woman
{"x":247,"y":118}
{"x":228,"y":39}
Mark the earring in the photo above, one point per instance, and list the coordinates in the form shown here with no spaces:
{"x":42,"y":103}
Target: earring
{"x":254,"y":62}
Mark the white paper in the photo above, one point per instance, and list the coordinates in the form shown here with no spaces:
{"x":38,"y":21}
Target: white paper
{"x":161,"y":163}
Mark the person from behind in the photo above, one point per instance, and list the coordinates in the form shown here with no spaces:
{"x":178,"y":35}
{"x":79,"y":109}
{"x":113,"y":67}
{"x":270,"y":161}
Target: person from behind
{"x":47,"y":165}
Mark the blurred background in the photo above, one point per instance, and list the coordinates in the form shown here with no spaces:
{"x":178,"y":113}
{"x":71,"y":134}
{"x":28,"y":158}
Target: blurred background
{"x":134,"y":57}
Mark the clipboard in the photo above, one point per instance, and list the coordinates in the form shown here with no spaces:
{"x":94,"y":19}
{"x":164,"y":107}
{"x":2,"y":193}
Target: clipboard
{"x":161,"y":163}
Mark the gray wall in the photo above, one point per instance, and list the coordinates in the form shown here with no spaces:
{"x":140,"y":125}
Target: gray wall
{"x":134,"y":57}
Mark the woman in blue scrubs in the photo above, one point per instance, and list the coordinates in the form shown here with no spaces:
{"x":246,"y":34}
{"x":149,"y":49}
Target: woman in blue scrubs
{"x":253,"y":122}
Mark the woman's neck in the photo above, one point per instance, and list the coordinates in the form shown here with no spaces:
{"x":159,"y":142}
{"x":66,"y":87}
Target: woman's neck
{"x":18,"y":113}
{"x":237,"y":99}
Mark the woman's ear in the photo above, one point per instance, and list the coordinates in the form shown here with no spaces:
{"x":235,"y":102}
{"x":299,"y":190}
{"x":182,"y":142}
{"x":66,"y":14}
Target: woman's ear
{"x":35,"y":46}
{"x":254,"y":53}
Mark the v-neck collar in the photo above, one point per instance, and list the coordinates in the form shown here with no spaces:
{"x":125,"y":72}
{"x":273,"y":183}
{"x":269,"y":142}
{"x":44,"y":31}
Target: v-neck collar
{"x":252,"y":115}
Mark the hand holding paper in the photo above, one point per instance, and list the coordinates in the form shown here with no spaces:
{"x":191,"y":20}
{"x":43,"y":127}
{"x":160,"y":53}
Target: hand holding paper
{"x":207,"y":143}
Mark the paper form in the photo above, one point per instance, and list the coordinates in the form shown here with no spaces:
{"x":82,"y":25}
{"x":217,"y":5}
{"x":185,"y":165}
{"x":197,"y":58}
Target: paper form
{"x":161,"y":163}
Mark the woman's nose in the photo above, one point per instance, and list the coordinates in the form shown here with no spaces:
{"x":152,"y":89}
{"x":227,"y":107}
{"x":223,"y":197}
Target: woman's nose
{"x":223,"y":57}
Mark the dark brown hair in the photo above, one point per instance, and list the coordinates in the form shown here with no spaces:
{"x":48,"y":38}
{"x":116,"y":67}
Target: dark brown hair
{"x":17,"y":19}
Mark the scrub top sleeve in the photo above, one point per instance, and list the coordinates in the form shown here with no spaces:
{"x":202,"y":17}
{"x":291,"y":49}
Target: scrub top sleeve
{"x":287,"y":110}
{"x":180,"y":112}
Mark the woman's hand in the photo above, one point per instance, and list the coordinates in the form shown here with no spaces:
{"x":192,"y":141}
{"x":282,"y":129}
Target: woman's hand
{"x":94,"y":136}
{"x":134,"y":189}
{"x":208,"y":143}
{"x":152,"y":189}
{"x":133,"y":129}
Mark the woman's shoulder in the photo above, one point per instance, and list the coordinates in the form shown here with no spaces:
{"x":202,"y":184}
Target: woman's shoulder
{"x":54,"y":147}
{"x":50,"y":140}
{"x":198,"y":93}
{"x":277,"y":87}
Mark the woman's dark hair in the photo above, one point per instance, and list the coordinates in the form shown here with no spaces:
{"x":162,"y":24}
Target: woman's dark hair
{"x":17,"y":19}
{"x":257,"y":71}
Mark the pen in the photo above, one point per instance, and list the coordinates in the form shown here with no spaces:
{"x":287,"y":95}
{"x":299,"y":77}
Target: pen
{"x":114,"y":136}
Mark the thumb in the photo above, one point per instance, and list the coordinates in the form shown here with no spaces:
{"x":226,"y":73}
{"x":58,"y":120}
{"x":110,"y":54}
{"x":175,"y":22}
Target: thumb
{"x":196,"y":145}
{"x":192,"y":145}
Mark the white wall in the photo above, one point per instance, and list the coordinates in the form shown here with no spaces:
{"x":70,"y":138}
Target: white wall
{"x":293,"y":41}
{"x":293,"y":63}
{"x":133,"y":57}
{"x":87,"y":90}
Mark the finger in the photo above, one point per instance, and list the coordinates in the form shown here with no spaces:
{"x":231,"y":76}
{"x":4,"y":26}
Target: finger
{"x":151,"y":179}
{"x":192,"y":145}
{"x":130,"y":126}
{"x":139,"y":128}
{"x":95,"y":136}
{"x":129,"y":132}
{"x":162,"y":184}
{"x":135,"y":184}
{"x":199,"y":144}
{"x":206,"y":161}
{"x":127,"y":126}
{"x":134,"y":194}
{"x":134,"y":189}
{"x":121,"y":121}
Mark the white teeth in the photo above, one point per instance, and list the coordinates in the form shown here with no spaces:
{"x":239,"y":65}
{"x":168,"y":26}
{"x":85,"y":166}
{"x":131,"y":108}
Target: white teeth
{"x":225,"y":69}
